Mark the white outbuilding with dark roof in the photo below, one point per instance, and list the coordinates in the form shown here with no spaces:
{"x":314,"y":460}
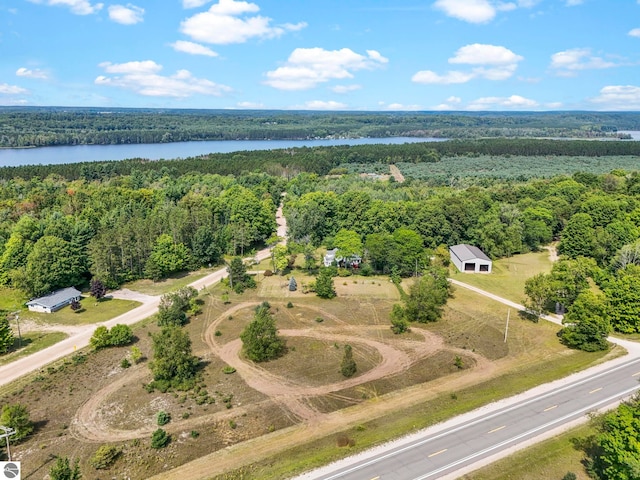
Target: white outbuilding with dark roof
{"x":470,"y":259}
{"x":54,"y":301}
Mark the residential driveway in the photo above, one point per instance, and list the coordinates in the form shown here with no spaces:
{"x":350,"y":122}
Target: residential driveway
{"x":80,"y":336}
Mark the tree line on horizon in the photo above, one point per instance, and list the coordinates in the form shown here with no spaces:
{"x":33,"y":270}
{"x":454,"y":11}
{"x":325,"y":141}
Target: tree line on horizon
{"x":49,"y":126}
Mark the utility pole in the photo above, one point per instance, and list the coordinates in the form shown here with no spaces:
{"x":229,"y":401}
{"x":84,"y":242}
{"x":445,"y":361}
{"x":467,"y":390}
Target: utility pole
{"x":17,"y":317}
{"x":7,"y":433}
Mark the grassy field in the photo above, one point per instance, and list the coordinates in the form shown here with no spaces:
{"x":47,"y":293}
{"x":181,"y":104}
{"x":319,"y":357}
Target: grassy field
{"x":531,"y":356}
{"x":91,"y":312}
{"x":11,"y":300}
{"x":227,"y":410}
{"x":554,"y":458}
{"x":508,"y":275}
{"x":169,"y":284}
{"x":32,"y":342}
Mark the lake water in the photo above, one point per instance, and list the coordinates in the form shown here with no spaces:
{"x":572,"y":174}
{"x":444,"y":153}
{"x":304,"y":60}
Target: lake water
{"x":13,"y":157}
{"x":635,"y":135}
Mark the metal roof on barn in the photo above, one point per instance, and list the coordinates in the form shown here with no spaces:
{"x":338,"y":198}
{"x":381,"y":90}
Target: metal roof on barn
{"x":468,"y":252}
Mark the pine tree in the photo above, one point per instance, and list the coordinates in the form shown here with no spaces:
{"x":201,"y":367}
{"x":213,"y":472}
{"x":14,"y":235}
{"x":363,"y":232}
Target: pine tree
{"x":348,"y":366}
{"x":6,"y":335}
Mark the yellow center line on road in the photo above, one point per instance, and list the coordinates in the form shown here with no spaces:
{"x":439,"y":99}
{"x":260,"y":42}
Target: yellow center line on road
{"x":437,"y":453}
{"x":376,"y":478}
{"x":596,"y":390}
{"x":635,"y":374}
{"x":497,"y":429}
{"x":550,"y":408}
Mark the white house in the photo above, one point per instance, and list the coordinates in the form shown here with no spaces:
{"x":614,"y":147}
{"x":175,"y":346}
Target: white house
{"x":470,"y":259}
{"x":353,"y":261}
{"x":330,"y":257}
{"x":54,"y":301}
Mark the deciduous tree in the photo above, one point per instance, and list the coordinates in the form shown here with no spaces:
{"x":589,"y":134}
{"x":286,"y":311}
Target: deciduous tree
{"x":173,"y":362}
{"x":587,"y":323}
{"x":427,"y":296}
{"x":260,"y":338}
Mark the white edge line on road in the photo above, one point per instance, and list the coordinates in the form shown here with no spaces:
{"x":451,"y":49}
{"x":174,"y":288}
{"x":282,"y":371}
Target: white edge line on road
{"x":478,"y":420}
{"x":529,"y":432}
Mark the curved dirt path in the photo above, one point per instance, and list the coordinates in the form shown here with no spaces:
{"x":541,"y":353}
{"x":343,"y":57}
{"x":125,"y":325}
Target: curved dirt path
{"x":90,"y":422}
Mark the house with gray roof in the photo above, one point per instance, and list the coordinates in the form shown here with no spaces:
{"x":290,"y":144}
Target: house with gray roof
{"x":470,"y":259}
{"x":54,"y":301}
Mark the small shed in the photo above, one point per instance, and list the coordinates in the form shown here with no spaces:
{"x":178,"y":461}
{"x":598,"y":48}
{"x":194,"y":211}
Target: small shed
{"x":470,"y":259}
{"x":54,"y":301}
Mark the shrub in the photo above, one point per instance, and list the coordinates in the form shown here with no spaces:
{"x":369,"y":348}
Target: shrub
{"x":458,"y":362}
{"x":121,"y":335}
{"x":289,"y":305}
{"x":125,"y":363}
{"x":319,"y":319}
{"x":104,"y":457}
{"x":160,"y":439}
{"x":228,"y":370}
{"x":268,"y":273}
{"x":136,"y":354}
{"x":195,"y":434}
{"x":17,"y":417}
{"x":163,"y":418}
{"x":101,"y":338}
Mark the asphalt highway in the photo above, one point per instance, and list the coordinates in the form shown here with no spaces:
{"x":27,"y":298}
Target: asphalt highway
{"x":440,"y":454}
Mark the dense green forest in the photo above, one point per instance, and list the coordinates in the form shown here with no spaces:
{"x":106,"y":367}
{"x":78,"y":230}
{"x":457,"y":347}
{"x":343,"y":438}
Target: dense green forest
{"x":322,"y":160}
{"x":56,"y":233}
{"x":46,"y":126}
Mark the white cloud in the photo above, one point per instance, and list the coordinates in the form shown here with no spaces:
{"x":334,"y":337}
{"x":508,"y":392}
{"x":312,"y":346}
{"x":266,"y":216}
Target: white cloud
{"x":482,"y":54}
{"x":573,"y":3}
{"x":403,"y":108}
{"x":568,"y":62}
{"x":635,"y":32}
{"x":472,"y":11}
{"x":193,"y":48}
{"x":79,"y":7}
{"x":250,"y":105}
{"x":553,"y":105}
{"x":32,"y":73}
{"x":229,"y":21}
{"x":480,"y":11}
{"x":619,"y":97}
{"x":491,"y":62}
{"x":451,"y":103}
{"x":194,"y":3}
{"x":451,"y":77}
{"x":144,"y":78}
{"x":307,"y":67}
{"x":320,"y":105}
{"x":6,"y":89}
{"x":345,"y":88}
{"x":512,"y":102}
{"x":129,"y":15}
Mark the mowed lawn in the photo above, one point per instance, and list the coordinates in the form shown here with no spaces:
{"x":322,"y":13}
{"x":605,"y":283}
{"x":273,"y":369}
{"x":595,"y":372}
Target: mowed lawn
{"x":508,"y":274}
{"x":91,"y":312}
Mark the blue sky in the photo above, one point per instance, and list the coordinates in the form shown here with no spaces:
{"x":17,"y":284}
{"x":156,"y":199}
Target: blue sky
{"x":322,"y":55}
